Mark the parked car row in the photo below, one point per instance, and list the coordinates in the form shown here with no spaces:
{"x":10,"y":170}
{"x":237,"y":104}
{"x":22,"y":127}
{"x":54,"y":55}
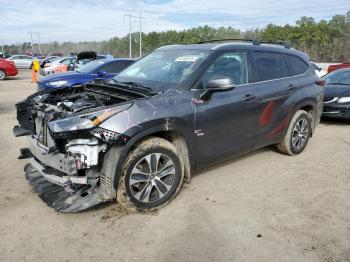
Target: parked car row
{"x":22,"y":61}
{"x":101,"y":69}
{"x":62,"y":64}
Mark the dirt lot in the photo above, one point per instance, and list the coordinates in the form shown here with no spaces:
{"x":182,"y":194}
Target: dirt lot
{"x":298,"y":206}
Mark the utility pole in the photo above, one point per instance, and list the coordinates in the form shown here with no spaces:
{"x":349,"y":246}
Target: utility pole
{"x":39,"y":43}
{"x":129,"y":15}
{"x":140,"y":32}
{"x":130,"y":35}
{"x":31,"y":41}
{"x":2,"y":49}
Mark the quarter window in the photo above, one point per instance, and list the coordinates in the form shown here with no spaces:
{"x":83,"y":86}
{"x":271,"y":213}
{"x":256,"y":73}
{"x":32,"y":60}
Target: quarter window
{"x":229,"y":65}
{"x":268,"y":66}
{"x":296,"y":65}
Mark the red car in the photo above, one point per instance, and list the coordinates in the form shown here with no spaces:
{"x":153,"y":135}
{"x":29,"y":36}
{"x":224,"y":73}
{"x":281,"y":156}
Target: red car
{"x":332,"y":68}
{"x":7,"y":68}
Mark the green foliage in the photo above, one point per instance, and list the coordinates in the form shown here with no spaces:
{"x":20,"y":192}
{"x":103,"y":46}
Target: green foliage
{"x":324,"y":41}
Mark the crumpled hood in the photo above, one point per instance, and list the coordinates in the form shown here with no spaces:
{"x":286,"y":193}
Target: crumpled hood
{"x":336,"y":91}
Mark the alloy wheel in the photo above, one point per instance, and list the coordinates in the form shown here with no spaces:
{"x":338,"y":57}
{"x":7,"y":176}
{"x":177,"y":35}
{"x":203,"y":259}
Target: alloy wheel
{"x":300,"y":134}
{"x":152,"y":177}
{"x":2,"y":75}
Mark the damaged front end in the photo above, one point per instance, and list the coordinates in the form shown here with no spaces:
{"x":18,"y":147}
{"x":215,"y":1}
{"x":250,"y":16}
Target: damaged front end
{"x":70,"y":154}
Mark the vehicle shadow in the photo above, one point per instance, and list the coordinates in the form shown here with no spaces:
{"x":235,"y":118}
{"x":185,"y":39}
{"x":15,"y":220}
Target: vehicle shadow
{"x":333,"y":121}
{"x":186,"y":244}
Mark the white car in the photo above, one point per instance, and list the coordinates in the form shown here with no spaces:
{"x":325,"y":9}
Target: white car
{"x":22,"y":61}
{"x":318,"y":70}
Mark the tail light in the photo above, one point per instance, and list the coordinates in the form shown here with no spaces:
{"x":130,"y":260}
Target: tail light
{"x":320,"y":82}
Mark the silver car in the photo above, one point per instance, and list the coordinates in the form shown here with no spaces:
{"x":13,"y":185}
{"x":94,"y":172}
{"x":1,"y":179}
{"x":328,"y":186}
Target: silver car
{"x":22,"y":61}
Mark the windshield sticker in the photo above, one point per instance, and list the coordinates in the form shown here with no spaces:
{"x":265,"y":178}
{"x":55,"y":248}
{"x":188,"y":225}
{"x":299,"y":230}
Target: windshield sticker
{"x":186,"y":59}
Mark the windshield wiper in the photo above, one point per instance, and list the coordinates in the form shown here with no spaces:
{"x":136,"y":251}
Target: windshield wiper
{"x":134,"y":85}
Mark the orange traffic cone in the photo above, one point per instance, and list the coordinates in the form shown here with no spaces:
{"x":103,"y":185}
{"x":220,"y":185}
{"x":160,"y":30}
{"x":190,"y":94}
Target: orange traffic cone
{"x":33,"y":75}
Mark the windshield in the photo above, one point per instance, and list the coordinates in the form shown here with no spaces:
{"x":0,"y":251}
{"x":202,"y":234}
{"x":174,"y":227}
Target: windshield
{"x":339,"y":77}
{"x":163,"y":69}
{"x":55,"y":59}
{"x":91,"y":67}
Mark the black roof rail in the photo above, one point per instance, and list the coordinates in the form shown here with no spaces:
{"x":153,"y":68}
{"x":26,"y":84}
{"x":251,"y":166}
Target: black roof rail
{"x":253,"y":41}
{"x":281,"y":43}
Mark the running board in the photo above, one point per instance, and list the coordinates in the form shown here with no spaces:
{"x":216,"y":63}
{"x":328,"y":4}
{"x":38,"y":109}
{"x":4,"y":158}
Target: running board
{"x":56,"y":197}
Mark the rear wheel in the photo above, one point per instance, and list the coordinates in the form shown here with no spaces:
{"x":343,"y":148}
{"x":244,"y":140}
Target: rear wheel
{"x":2,"y":74}
{"x":297,"y":135}
{"x":152,"y":175}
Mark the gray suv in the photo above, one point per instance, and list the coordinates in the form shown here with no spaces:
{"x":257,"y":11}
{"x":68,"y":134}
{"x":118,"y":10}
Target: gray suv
{"x":138,"y":137}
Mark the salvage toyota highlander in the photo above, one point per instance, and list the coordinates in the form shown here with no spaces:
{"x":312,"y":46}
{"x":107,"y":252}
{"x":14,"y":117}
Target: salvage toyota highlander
{"x":139,"y":136}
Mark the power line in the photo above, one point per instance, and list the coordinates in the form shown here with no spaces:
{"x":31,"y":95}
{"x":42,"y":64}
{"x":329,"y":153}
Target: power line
{"x":140,"y":31}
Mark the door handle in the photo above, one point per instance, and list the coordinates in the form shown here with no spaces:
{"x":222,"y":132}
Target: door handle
{"x":248,"y":98}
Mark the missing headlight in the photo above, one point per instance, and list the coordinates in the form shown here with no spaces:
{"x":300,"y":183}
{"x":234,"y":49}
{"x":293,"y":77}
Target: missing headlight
{"x":109,"y":137}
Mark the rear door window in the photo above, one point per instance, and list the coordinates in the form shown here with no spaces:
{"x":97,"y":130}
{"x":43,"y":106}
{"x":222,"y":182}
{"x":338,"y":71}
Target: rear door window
{"x":268,"y":66}
{"x":296,"y":65}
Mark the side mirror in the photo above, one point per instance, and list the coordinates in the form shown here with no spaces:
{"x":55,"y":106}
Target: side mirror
{"x":319,"y":69}
{"x":220,"y":83}
{"x":217,"y":84}
{"x":101,"y":73}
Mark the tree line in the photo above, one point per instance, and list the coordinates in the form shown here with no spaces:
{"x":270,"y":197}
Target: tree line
{"x":324,"y":41}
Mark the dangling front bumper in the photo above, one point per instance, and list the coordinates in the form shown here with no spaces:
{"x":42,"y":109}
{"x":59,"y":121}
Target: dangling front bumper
{"x":49,"y":173}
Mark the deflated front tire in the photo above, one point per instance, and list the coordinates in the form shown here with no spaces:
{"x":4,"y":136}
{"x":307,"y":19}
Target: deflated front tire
{"x":152,"y":175}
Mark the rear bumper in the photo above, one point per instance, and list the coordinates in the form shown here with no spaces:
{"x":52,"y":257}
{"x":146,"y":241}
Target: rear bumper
{"x":12,"y":72}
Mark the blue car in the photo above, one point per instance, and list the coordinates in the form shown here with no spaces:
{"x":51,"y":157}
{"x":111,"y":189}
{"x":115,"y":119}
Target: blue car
{"x":98,"y":69}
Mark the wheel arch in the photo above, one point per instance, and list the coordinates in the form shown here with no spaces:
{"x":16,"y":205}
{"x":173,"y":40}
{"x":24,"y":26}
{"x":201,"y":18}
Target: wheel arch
{"x":171,"y":135}
{"x":310,"y":107}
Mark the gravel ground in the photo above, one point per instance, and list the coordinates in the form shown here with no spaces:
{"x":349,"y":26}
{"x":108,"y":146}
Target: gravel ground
{"x":263,"y":206}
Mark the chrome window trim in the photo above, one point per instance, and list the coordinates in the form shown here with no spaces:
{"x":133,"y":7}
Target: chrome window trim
{"x":287,"y":77}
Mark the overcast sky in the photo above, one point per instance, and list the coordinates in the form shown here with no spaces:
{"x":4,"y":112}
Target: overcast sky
{"x":86,"y":20}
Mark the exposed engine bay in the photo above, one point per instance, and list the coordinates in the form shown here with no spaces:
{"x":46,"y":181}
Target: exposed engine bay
{"x":67,"y":148}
